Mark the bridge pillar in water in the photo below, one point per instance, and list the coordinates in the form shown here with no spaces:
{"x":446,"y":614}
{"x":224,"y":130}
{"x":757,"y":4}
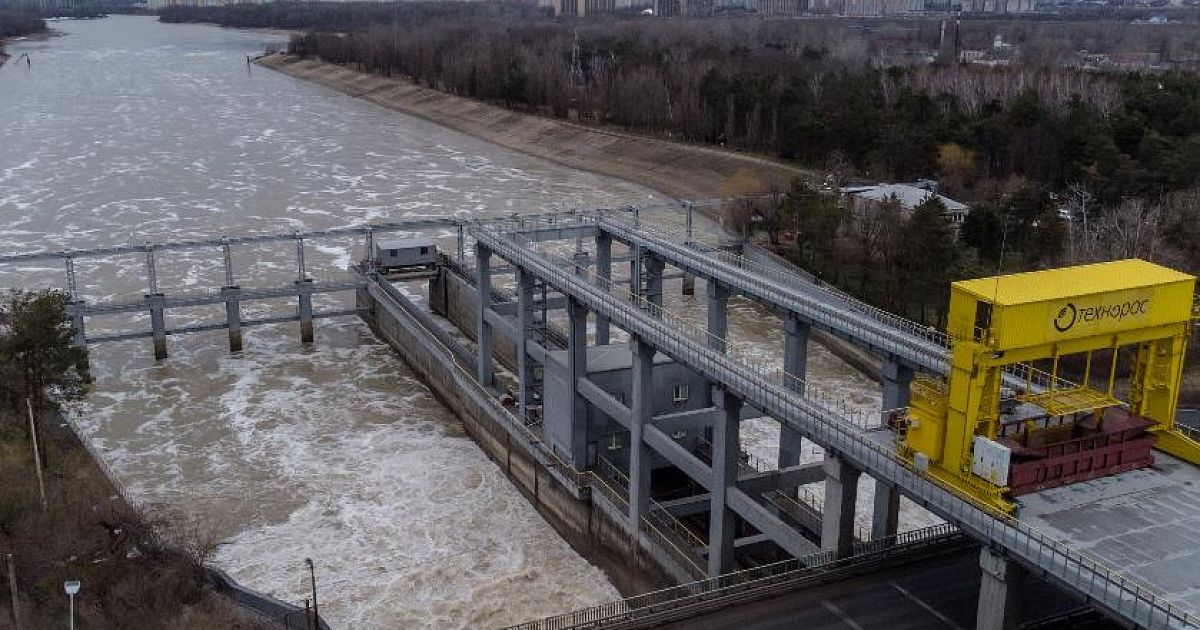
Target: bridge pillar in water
{"x":999,"y":592}
{"x":654,"y":266}
{"x":233,"y":316}
{"x":78,"y":334}
{"x":718,"y":314}
{"x":795,"y":363}
{"x":156,"y":303}
{"x":524,"y":329}
{"x":642,"y":408}
{"x":603,"y":271}
{"x":885,"y":516}
{"x":841,"y":490}
{"x":725,"y":458}
{"x":483,"y":330}
{"x":305,"y":310}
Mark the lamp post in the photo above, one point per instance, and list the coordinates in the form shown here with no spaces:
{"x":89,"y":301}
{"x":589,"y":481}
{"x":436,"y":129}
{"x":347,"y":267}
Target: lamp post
{"x":71,"y":587}
{"x":312,"y":573}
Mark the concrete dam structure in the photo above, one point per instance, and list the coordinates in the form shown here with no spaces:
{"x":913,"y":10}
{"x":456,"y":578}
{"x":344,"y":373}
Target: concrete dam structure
{"x":619,"y":420}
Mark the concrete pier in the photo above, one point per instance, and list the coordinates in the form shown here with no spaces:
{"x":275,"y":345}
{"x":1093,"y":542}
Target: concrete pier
{"x":642,"y":411}
{"x":483,"y":329}
{"x":726,"y":448}
{"x":603,"y":271}
{"x":233,"y":316}
{"x":653,"y":269}
{"x":577,"y":366}
{"x":304,"y":300}
{"x":155,"y":302}
{"x":795,"y":363}
{"x":524,"y":334}
{"x":999,"y":592}
{"x":718,"y":315}
{"x":841,"y":490}
{"x":78,"y":334}
{"x":885,"y":517}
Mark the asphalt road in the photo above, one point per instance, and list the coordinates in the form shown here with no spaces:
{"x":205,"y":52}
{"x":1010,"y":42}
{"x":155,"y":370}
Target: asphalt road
{"x":938,"y":593}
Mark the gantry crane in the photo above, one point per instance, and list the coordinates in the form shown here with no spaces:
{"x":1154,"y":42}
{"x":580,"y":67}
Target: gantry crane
{"x":992,"y":440}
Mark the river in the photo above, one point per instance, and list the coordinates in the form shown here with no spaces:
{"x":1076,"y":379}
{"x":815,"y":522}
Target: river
{"x":126,"y":130}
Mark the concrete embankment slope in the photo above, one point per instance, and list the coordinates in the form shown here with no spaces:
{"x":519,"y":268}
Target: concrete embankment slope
{"x":675,"y":169}
{"x":679,"y":170}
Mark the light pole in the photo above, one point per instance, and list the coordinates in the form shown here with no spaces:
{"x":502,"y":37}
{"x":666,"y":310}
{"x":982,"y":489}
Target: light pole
{"x":71,"y":587}
{"x":312,"y":573}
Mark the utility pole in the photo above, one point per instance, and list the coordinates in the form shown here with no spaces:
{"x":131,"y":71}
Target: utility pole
{"x":12,"y":591}
{"x":37,"y":455}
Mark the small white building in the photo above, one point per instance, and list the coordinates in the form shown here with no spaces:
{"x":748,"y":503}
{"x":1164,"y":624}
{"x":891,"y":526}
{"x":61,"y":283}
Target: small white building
{"x":909,"y":197}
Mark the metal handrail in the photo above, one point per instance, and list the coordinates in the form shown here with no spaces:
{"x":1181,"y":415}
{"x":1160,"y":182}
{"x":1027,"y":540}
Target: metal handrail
{"x":728,"y":584}
{"x":807,"y":389}
{"x":542,"y":451}
{"x":1018,"y":372}
{"x":1108,"y":587}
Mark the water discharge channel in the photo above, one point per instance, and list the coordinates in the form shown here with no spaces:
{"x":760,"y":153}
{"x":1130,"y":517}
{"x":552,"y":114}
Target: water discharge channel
{"x":126,"y":130}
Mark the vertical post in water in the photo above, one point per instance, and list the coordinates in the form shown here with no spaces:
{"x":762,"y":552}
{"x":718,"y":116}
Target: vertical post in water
{"x":304,"y":290}
{"x":795,"y":368}
{"x":156,"y":304}
{"x":368,"y":263}
{"x":233,"y":300}
{"x":461,"y":244}
{"x":75,"y":306}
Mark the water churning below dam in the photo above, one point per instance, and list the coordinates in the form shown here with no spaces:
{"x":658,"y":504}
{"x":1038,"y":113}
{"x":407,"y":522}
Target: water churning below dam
{"x":126,"y":130}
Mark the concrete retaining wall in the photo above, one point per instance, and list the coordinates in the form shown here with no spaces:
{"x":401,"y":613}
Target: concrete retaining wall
{"x":593,"y":526}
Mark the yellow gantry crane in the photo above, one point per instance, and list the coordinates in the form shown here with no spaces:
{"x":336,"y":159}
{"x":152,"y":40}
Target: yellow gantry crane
{"x":992,"y":439}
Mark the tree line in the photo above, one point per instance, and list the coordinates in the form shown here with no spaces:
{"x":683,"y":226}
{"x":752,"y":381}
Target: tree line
{"x":763,"y":87}
{"x":16,"y":21}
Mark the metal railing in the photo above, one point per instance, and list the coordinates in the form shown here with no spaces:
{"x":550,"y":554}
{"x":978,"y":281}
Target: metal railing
{"x":739,"y":352}
{"x":1111,"y":589}
{"x":710,"y":591}
{"x":545,"y":455}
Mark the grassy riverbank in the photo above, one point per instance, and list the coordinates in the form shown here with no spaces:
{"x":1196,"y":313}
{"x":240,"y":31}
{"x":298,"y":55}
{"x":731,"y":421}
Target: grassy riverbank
{"x":138,"y":570}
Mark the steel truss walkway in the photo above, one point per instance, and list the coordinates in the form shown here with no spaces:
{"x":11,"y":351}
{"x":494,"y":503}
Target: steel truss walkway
{"x":1104,"y":587}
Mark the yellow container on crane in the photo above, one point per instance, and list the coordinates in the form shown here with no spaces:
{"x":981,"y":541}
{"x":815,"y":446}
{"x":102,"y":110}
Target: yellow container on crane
{"x":1001,"y":426}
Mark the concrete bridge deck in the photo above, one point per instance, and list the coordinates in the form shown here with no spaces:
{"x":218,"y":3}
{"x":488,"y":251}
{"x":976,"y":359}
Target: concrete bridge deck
{"x":1015,"y":543}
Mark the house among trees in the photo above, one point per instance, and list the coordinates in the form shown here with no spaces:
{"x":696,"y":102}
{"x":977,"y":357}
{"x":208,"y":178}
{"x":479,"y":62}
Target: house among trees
{"x":907,"y":196}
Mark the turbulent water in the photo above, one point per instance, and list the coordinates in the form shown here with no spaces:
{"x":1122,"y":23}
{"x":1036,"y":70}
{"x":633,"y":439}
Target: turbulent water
{"x":125,"y":130}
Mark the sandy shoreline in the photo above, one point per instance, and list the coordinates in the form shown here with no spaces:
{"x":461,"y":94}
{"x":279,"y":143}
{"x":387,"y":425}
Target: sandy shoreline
{"x":674,"y":169}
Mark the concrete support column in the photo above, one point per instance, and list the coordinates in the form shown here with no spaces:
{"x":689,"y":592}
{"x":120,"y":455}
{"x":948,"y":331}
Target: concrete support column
{"x":604,"y":271}
{"x":718,"y":307}
{"x":78,"y":334}
{"x":654,"y":281}
{"x":524,"y":333}
{"x":642,"y":408}
{"x":999,"y":593}
{"x":841,"y":490}
{"x":795,"y":363}
{"x":304,"y":299}
{"x":156,"y":303}
{"x":233,"y":316}
{"x":725,"y":450}
{"x":483,"y":330}
{"x":577,"y":366}
{"x":897,"y":381}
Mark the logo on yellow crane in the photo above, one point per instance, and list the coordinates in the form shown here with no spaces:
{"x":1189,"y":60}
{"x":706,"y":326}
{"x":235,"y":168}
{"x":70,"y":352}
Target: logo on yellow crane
{"x":1066,"y":318}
